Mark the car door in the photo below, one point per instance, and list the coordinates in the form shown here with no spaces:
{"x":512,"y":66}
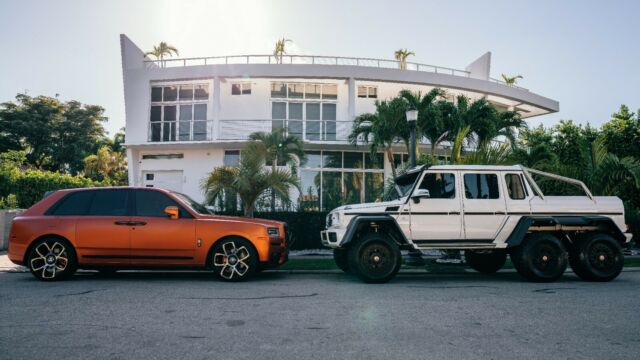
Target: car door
{"x":155,"y":238}
{"x":436,"y":217}
{"x":483,"y":205}
{"x":102,"y":232}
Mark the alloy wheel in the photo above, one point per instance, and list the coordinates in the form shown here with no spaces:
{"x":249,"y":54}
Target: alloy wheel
{"x":50,"y":259}
{"x":232,"y":261}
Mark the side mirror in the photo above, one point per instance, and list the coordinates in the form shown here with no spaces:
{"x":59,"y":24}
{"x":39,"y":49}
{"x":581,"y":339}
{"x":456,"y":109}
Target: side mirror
{"x":173,"y":212}
{"x":420,"y":193}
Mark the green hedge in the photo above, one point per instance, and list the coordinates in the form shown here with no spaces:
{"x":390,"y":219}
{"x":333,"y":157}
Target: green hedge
{"x":304,"y":227}
{"x":30,"y":186}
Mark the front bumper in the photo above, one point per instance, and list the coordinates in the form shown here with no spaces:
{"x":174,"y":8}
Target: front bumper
{"x":278,"y":252}
{"x":331,"y":238}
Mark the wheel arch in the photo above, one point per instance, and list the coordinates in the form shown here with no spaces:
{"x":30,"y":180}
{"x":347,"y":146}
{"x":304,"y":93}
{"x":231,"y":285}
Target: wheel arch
{"x":34,"y":241}
{"x":364,"y":224}
{"x":207,"y":265}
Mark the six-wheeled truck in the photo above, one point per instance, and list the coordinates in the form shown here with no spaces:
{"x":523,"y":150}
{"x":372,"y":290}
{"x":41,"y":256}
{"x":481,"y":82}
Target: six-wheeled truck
{"x":489,"y":212}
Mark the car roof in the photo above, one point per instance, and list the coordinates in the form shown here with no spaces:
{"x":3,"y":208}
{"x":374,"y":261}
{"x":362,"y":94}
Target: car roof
{"x":116,"y":187}
{"x":478,"y":167}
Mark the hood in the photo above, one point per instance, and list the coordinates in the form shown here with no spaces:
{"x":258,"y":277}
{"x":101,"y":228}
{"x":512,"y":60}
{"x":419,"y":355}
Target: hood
{"x":246,"y":220}
{"x":370,"y":207}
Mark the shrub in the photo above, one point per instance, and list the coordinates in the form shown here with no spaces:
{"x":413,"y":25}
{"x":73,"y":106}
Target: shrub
{"x":30,"y":186}
{"x":9,"y":202}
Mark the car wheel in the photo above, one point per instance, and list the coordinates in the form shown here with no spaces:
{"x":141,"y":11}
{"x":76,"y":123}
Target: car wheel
{"x":540,"y":258}
{"x":234,"y":259}
{"x":52,"y":259}
{"x":597,"y":257}
{"x":485,"y":261}
{"x":340,"y":256}
{"x":374,"y":259}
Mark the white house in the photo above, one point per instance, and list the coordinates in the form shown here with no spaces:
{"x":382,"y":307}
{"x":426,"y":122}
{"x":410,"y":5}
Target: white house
{"x":185,"y":117}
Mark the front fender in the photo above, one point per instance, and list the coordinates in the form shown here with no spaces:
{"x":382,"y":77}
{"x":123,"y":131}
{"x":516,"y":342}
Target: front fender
{"x":366,"y":223}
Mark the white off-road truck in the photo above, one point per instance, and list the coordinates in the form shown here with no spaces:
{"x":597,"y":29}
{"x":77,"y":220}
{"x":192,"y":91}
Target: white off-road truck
{"x":489,"y":212}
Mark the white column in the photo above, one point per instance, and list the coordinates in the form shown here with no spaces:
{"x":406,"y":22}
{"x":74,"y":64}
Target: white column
{"x":216,"y":106}
{"x":352,"y":99}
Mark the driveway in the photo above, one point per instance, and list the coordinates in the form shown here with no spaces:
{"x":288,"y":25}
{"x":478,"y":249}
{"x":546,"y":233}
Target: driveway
{"x":330,"y":315}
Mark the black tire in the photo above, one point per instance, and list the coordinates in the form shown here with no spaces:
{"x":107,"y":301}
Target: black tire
{"x":374,"y":258}
{"x":233,"y":259}
{"x":52,"y":259}
{"x":340,"y":256}
{"x":597,"y":257}
{"x":485,"y":261}
{"x":540,"y":258}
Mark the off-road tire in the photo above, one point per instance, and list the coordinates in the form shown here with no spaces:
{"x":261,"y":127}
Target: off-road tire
{"x":374,"y":258}
{"x":540,"y":258}
{"x":340,"y":256}
{"x":596,"y":257}
{"x":485,"y":261}
{"x":52,"y":259}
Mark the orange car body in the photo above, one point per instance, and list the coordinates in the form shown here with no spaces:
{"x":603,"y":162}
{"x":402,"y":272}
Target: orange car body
{"x":131,"y":241}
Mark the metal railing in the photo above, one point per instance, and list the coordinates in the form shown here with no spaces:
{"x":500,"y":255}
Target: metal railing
{"x":303,"y":60}
{"x":502,"y":82}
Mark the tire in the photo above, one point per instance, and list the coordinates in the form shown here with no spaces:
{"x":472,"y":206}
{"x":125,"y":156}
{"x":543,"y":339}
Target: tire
{"x":234,"y":259}
{"x":374,"y":258}
{"x":540,"y":258}
{"x":340,"y":256}
{"x":597,"y":257}
{"x":485,"y":261}
{"x":52,"y":259}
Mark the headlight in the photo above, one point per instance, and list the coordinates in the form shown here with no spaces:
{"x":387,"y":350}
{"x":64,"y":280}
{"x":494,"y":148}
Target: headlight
{"x":273,"y":231}
{"x":333,"y":219}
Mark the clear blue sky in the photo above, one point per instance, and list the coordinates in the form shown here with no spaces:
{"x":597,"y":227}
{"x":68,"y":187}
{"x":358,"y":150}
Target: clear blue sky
{"x":584,"y":54}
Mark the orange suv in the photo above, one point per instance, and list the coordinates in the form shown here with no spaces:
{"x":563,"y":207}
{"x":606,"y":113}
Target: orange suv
{"x":107,"y":229}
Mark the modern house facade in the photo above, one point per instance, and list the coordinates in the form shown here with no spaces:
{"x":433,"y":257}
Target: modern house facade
{"x":184,"y":117}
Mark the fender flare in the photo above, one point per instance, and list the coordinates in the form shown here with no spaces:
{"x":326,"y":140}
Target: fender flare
{"x":520,"y":231}
{"x":356,"y":224}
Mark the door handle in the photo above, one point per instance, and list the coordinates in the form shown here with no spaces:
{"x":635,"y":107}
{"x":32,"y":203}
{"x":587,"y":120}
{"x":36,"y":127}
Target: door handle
{"x":137,"y":223}
{"x":123,"y":223}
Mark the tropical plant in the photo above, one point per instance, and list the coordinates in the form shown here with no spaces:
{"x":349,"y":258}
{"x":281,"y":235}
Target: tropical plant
{"x":383,"y":129}
{"x":511,"y":80}
{"x":249,"y":179}
{"x":401,"y":55}
{"x":431,"y":122}
{"x":621,"y":134}
{"x":279,"y":49}
{"x":280,"y":149}
{"x":163,"y":49}
{"x":107,"y":165}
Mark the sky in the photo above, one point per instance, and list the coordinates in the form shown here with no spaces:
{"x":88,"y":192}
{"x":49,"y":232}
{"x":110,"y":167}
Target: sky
{"x":585,"y":54}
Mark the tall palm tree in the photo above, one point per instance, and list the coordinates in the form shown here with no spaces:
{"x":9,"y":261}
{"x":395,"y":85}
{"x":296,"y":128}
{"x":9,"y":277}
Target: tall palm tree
{"x":279,"y":49}
{"x":511,"y":80}
{"x":163,"y":49}
{"x":279,"y":149}
{"x":401,"y":55}
{"x":249,"y":179}
{"x":383,"y":129}
{"x":431,"y":122}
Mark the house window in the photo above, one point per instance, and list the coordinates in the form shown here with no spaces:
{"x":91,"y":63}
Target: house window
{"x":178,"y":112}
{"x":370,"y":92}
{"x":161,"y":156}
{"x":241,"y":89}
{"x":231,"y":158}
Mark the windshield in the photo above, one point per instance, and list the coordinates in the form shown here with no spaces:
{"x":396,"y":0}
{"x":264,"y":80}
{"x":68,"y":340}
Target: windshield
{"x":194,"y":205}
{"x":404,"y":183}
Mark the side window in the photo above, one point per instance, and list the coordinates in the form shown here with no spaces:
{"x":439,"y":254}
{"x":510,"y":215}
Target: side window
{"x":76,"y":203}
{"x":109,"y":203}
{"x":515,"y":186}
{"x":481,"y":186}
{"x":152,"y":203}
{"x":440,"y":185}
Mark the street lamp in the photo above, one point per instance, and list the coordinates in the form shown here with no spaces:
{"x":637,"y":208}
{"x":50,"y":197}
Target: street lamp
{"x":412,"y":118}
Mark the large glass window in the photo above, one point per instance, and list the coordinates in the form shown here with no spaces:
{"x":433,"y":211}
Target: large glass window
{"x":331,"y":190}
{"x":353,"y":189}
{"x":515,"y":186}
{"x":179,"y":112}
{"x":481,"y":186}
{"x":152,"y":204}
{"x":76,"y":203}
{"x":109,"y":203}
{"x":440,"y":185}
{"x":310,"y":196}
{"x":374,"y":187}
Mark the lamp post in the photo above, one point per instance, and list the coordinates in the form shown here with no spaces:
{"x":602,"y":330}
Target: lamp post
{"x":412,"y":118}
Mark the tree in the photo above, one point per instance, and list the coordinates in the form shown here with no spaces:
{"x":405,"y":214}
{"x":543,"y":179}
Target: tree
{"x":249,"y":179}
{"x":55,"y":135}
{"x":107,"y":165}
{"x":621,"y":135}
{"x":511,"y":80}
{"x":401,"y":55}
{"x":280,"y":149}
{"x":431,"y":122}
{"x":383,"y":129}
{"x":163,"y":49}
{"x":279,"y":49}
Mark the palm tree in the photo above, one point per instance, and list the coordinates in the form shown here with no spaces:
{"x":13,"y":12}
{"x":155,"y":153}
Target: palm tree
{"x":280,"y":148}
{"x":431,"y":123}
{"x":383,"y":129}
{"x":107,"y":165}
{"x":163,"y":49}
{"x":279,"y":49}
{"x":511,"y":80}
{"x":401,"y":55}
{"x":249,"y":179}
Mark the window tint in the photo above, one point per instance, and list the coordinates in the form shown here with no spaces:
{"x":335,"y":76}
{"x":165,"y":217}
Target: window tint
{"x":515,"y":186}
{"x":152,"y":203}
{"x":109,"y":203}
{"x":440,"y":185}
{"x":481,"y":186}
{"x":73,"y":204}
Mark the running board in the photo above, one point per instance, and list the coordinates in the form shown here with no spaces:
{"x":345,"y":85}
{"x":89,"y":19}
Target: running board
{"x":448,"y":245}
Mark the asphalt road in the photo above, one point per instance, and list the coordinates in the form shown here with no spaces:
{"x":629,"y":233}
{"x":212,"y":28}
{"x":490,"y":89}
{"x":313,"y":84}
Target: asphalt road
{"x":318,"y":316}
